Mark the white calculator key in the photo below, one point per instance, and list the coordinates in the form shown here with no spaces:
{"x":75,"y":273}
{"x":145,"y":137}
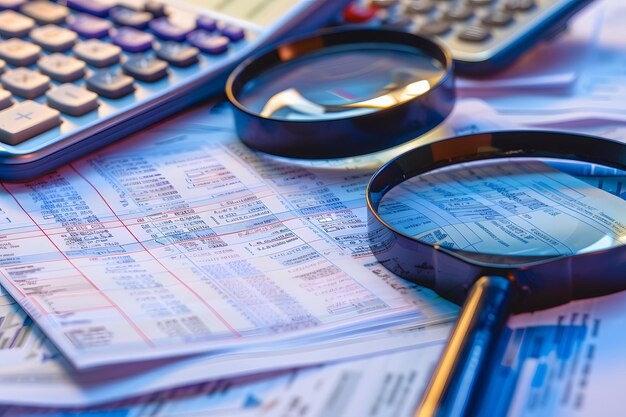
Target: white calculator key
{"x":14,"y":25}
{"x":62,"y":68}
{"x":53,"y":38}
{"x":19,"y":53}
{"x":72,"y":99}
{"x":25,"y":83}
{"x":5,"y":99}
{"x":45,"y":12}
{"x":25,"y":120}
{"x":98,"y":53}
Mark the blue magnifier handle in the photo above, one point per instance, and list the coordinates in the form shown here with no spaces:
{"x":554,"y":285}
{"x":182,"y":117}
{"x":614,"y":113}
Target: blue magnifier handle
{"x":464,"y":365}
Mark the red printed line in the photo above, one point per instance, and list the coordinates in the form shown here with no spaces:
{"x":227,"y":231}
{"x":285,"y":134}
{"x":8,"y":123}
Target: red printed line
{"x":119,"y":310}
{"x":201,"y":299}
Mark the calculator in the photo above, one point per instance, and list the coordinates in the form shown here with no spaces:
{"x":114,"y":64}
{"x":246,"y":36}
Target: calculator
{"x":78,"y":74}
{"x":484,"y":36}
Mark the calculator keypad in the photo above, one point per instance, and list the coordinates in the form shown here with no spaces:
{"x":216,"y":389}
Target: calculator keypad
{"x":470,"y":28}
{"x":65,"y":61}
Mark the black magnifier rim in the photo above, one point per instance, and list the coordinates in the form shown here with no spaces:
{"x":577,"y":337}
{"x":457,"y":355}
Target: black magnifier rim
{"x":349,"y":136}
{"x":484,"y":146}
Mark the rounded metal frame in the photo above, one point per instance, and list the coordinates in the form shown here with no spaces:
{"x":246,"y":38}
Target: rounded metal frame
{"x":545,"y":281}
{"x":341,"y":137}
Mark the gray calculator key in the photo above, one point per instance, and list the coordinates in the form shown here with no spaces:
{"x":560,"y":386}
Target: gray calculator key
{"x":497,"y":18}
{"x":54,"y":38}
{"x":419,"y":6}
{"x":434,"y":28}
{"x":6,"y":99}
{"x":98,"y":53}
{"x":145,"y":67}
{"x":474,"y":34}
{"x":45,"y":12}
{"x":458,"y":12}
{"x":177,"y":54}
{"x":19,"y":53}
{"x":519,"y":5}
{"x":14,"y":25}
{"x":383,"y":4}
{"x":25,"y":83}
{"x":62,"y":68}
{"x":72,"y":99}
{"x":25,"y":120}
{"x":110,"y":83}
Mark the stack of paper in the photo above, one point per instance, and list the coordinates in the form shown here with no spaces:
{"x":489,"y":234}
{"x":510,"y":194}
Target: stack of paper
{"x":180,"y":273}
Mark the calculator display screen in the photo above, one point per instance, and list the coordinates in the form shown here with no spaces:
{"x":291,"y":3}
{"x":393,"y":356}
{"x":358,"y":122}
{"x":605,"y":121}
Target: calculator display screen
{"x":260,"y":12}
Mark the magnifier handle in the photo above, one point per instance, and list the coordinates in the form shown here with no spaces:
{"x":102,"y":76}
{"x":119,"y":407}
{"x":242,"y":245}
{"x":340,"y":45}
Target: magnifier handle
{"x":463,"y":366}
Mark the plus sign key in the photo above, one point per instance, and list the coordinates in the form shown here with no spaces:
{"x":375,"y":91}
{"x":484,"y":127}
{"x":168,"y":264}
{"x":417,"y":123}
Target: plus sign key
{"x":25,"y":120}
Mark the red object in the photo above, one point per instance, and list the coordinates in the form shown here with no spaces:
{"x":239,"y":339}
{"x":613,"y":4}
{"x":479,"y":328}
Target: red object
{"x":357,"y":13}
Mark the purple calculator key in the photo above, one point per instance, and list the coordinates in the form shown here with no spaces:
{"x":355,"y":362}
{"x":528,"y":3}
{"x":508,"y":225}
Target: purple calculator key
{"x":165,"y":29}
{"x":95,"y":7}
{"x":89,"y":26}
{"x":132,"y":40}
{"x":206,"y":23}
{"x":208,"y":42}
{"x":11,"y":4}
{"x":232,"y":32}
{"x":125,"y":16}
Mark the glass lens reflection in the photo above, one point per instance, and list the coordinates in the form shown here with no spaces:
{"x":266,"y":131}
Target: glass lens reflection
{"x":529,"y":207}
{"x":341,"y":81}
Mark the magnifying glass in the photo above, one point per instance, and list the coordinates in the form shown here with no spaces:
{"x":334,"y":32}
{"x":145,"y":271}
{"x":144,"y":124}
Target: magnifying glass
{"x":341,"y":92}
{"x":504,"y":222}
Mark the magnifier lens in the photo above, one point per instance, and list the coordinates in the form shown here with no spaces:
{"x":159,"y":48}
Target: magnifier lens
{"x":512,"y":207}
{"x":342,"y":81}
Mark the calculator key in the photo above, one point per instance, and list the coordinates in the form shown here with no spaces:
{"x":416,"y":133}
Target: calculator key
{"x":397,"y":22}
{"x":53,"y":38}
{"x":125,"y":16}
{"x":95,"y":7}
{"x":14,"y":25}
{"x":110,"y":83}
{"x":19,"y":53}
{"x":89,"y":26}
{"x":434,"y":28}
{"x":72,"y":99}
{"x":474,"y":34}
{"x":232,"y":32}
{"x":177,"y":54}
{"x":25,"y":120}
{"x":45,"y":12}
{"x":207,"y":23}
{"x":497,"y":18}
{"x":165,"y":29}
{"x":62,"y":68}
{"x":419,"y":6}
{"x":98,"y":53}
{"x":208,"y":42}
{"x":384,"y":4}
{"x":519,"y":5}
{"x":25,"y":83}
{"x":356,"y":12}
{"x":6,"y":99}
{"x":458,"y":12}
{"x":132,"y":40}
{"x":11,"y":4}
{"x":155,"y":8}
{"x":145,"y":67}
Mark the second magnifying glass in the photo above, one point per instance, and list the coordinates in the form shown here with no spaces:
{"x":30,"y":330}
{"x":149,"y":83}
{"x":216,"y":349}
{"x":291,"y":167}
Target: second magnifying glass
{"x":341,"y":93}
